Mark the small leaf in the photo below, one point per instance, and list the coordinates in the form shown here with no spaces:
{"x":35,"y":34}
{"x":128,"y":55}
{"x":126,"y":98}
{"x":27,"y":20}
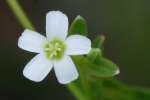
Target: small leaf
{"x":98,"y":42}
{"x":78,"y":26}
{"x":94,"y":53}
{"x":103,"y":67}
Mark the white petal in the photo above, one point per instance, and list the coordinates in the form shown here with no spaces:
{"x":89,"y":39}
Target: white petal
{"x":56,"y":25}
{"x":38,"y":68}
{"x":78,"y":45}
{"x":31,"y":41}
{"x":65,"y":70}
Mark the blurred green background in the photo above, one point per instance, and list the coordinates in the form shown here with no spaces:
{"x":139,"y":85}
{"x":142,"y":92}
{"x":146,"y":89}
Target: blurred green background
{"x":125,"y":23}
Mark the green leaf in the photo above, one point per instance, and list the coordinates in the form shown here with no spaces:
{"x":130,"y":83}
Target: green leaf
{"x":115,"y":90}
{"x":100,"y":67}
{"x":103,"y":67}
{"x":78,"y":26}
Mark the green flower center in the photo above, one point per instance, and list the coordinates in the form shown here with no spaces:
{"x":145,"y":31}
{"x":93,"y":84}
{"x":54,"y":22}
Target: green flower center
{"x":54,"y":50}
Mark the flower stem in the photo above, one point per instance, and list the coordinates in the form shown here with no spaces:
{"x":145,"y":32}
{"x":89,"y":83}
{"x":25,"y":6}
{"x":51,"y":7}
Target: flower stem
{"x":20,"y":14}
{"x":26,"y":23}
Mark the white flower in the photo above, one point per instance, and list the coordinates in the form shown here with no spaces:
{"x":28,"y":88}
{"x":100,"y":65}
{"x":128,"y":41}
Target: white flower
{"x":53,"y":50}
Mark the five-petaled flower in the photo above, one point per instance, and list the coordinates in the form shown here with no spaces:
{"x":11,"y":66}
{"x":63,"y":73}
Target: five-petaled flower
{"x":54,"y":50}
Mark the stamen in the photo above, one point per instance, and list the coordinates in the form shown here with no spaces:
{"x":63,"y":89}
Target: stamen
{"x":54,"y":50}
{"x":59,"y":49}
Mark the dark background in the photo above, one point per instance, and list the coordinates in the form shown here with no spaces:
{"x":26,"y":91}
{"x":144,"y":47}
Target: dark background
{"x":125,"y":23}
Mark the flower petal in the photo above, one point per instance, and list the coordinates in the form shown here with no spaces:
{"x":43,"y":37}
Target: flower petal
{"x":56,"y":25}
{"x":31,"y":41}
{"x":38,"y":68}
{"x":78,"y":45}
{"x":65,"y":70}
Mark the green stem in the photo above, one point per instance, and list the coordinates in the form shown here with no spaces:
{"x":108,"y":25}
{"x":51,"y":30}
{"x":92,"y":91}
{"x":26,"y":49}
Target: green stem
{"x":83,"y":77}
{"x":76,"y":92}
{"x":26,"y":23}
{"x":20,"y":14}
